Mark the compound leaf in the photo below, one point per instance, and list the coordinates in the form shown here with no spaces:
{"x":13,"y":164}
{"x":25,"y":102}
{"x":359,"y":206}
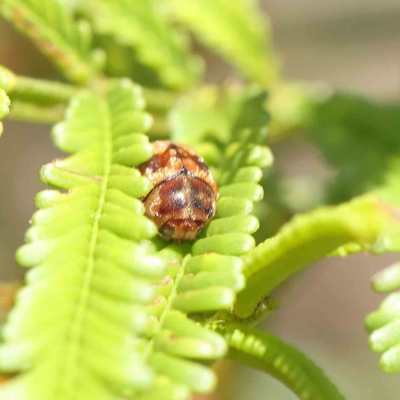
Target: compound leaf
{"x":383,"y":325}
{"x":267,"y":353}
{"x":140,"y":25}
{"x":237,"y":30}
{"x":103,"y":311}
{"x":306,"y":239}
{"x":108,"y":295}
{"x":50,"y":25}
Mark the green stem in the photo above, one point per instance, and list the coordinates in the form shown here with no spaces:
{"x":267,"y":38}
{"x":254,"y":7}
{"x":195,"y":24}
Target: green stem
{"x":33,"y":90}
{"x":35,"y":113}
{"x":267,"y":353}
{"x":306,"y":239}
{"x":46,"y":92}
{"x":41,"y":91}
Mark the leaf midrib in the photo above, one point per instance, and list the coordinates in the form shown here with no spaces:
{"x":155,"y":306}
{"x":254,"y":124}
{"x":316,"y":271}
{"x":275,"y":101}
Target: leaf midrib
{"x":73,"y":345}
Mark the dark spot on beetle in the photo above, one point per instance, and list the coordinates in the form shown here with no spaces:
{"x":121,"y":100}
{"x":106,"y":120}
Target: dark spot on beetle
{"x":196,"y":189}
{"x":154,"y":166}
{"x":177,"y":185}
{"x":197,"y":203}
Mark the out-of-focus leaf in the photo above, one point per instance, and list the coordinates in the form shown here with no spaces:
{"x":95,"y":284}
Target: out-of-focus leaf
{"x":306,"y":239}
{"x":267,"y":353}
{"x":361,"y":139}
{"x":4,"y":99}
{"x":219,"y":114}
{"x":141,"y":26}
{"x":237,"y":30}
{"x":50,"y":25}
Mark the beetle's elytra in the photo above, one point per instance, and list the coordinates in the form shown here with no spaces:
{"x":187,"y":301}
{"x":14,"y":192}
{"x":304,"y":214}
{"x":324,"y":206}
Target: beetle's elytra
{"x":183,"y":198}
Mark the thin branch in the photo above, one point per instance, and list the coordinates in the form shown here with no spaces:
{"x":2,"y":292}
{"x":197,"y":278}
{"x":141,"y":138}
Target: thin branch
{"x":44,"y":92}
{"x":31,"y":112}
{"x":41,"y":91}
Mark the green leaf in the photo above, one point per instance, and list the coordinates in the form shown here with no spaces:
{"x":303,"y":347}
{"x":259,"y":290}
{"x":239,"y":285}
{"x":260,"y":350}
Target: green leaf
{"x":77,"y":296}
{"x":50,"y":25}
{"x":210,"y":118}
{"x":267,"y":353}
{"x":108,"y":295}
{"x":140,"y":25}
{"x":101,"y":279}
{"x":387,"y":280}
{"x":237,"y":30}
{"x":360,"y":139}
{"x":228,"y":236}
{"x":383,"y":324}
{"x":198,"y":116}
{"x":306,"y":239}
{"x":294,"y":106}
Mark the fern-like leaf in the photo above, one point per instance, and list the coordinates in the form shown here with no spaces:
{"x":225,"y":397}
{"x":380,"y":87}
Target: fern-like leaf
{"x":74,"y":300}
{"x":215,"y":118}
{"x":237,"y":30}
{"x":50,"y":25}
{"x":140,"y":25}
{"x":109,"y":296}
{"x":306,"y":239}
{"x":383,"y":324}
{"x":229,"y":236}
{"x":267,"y":353}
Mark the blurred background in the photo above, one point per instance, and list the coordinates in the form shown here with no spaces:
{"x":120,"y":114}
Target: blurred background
{"x":354,"y":46}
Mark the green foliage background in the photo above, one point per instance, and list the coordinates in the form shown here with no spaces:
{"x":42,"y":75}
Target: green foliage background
{"x":127,"y":314}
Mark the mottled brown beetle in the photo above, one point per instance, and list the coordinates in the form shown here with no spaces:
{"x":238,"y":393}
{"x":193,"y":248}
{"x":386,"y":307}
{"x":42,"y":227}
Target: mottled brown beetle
{"x":184,"y":192}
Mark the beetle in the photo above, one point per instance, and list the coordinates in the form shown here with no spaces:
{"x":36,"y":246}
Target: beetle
{"x":183,"y":199}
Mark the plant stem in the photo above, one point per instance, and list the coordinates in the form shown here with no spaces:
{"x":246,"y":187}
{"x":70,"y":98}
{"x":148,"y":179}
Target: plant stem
{"x":31,"y":112}
{"x":46,"y":92}
{"x":41,"y":91}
